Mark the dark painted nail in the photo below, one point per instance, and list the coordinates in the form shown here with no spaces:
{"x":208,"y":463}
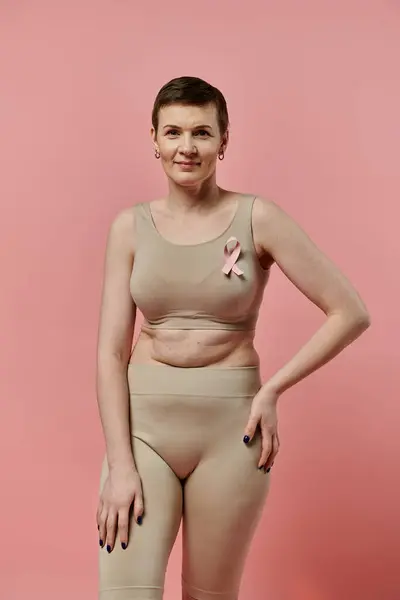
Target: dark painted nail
{"x":139,"y":520}
{"x":109,"y":549}
{"x":101,"y":543}
{"x":246,"y":439}
{"x":262,"y":466}
{"x":268,"y":470}
{"x":123,"y":546}
{"x":98,"y":527}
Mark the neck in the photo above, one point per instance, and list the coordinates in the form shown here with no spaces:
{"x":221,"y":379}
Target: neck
{"x":201,"y":196}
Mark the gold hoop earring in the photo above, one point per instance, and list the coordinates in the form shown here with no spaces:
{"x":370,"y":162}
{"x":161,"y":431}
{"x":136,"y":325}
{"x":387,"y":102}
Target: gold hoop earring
{"x":156,"y":153}
{"x":221,"y":155}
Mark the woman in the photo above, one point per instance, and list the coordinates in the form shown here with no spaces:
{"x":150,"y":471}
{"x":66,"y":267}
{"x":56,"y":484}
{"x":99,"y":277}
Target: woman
{"x":190,"y":431}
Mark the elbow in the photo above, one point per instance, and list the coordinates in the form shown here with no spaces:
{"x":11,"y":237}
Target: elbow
{"x":362,"y":317}
{"x":361,"y":322}
{"x":367,"y":320}
{"x":358,"y":320}
{"x":113,"y":358}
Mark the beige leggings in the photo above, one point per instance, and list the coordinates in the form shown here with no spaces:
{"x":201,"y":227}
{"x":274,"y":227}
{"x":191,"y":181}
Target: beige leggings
{"x":187,"y":426}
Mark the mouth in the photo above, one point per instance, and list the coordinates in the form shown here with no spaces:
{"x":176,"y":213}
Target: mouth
{"x":188,"y":163}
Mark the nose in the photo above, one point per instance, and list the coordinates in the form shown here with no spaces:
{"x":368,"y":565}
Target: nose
{"x":187,"y":146}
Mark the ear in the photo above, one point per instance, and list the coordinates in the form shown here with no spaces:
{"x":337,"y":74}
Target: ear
{"x":154,"y":138}
{"x":225,"y":140}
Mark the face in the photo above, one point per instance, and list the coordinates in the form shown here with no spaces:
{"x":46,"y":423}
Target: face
{"x":189,"y":141}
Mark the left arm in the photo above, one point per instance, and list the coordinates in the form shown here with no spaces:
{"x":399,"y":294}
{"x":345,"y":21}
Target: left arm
{"x":316,"y":276}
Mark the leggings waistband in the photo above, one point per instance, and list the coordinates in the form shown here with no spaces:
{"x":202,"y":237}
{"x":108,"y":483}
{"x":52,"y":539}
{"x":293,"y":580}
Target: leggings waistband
{"x":193,"y":381}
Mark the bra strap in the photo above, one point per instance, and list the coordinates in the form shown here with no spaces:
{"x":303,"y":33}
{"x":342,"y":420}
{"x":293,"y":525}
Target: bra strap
{"x":243,"y":221}
{"x":143,"y":222}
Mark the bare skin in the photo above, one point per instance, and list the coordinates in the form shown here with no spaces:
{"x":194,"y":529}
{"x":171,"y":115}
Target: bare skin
{"x":196,"y":210}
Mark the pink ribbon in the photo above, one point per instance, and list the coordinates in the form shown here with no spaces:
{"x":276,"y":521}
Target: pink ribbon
{"x":231,"y":257}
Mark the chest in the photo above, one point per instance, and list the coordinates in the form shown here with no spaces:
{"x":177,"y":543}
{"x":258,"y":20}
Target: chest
{"x":177,"y":277}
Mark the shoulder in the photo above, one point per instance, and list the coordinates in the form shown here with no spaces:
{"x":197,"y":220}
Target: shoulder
{"x":266,"y":211}
{"x":267,"y":222}
{"x":122,"y":229}
{"x":272,"y":223}
{"x":123,"y":223}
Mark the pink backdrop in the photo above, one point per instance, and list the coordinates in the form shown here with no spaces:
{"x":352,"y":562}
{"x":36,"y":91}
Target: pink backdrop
{"x":314,"y":97}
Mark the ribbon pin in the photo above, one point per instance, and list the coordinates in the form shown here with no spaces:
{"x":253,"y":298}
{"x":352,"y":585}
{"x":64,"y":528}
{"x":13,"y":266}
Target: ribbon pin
{"x":231,"y":257}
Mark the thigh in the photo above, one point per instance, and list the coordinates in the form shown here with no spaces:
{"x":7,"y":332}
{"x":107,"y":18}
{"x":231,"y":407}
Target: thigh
{"x":138,"y":573}
{"x":223,"y":502}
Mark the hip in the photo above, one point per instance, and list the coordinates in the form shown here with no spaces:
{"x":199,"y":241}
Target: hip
{"x":229,"y":381}
{"x":190,"y":414}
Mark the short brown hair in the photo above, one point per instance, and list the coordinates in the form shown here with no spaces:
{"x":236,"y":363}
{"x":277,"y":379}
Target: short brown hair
{"x":191,"y":91}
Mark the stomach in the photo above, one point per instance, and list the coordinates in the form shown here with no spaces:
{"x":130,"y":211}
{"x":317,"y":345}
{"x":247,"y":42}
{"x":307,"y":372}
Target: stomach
{"x":195,"y":348}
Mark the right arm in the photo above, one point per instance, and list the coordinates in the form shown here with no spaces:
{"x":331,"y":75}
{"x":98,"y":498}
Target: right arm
{"x":116,"y":327}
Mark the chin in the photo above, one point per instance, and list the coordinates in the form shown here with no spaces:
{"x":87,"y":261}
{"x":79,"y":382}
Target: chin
{"x":187,"y":179}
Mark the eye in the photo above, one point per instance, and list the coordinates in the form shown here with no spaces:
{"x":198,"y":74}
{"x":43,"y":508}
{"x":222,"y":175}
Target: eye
{"x":172,"y":132}
{"x":202,"y":133}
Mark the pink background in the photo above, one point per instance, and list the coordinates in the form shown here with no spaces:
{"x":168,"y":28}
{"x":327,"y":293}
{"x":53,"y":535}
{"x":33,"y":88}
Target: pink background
{"x":314,"y":95}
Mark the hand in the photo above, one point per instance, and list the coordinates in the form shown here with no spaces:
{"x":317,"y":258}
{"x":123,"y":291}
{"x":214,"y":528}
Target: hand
{"x":264,"y":413}
{"x":122,"y":487}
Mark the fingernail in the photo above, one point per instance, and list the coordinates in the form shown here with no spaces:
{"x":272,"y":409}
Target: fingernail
{"x":268,"y":470}
{"x":246,"y":439}
{"x":101,"y":543}
{"x":98,"y":527}
{"x":139,"y":520}
{"x":262,"y":466}
{"x":109,"y":549}
{"x":123,"y":545}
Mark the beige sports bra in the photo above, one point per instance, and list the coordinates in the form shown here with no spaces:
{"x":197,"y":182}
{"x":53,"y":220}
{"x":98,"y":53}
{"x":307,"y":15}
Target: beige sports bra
{"x":216,"y":284}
